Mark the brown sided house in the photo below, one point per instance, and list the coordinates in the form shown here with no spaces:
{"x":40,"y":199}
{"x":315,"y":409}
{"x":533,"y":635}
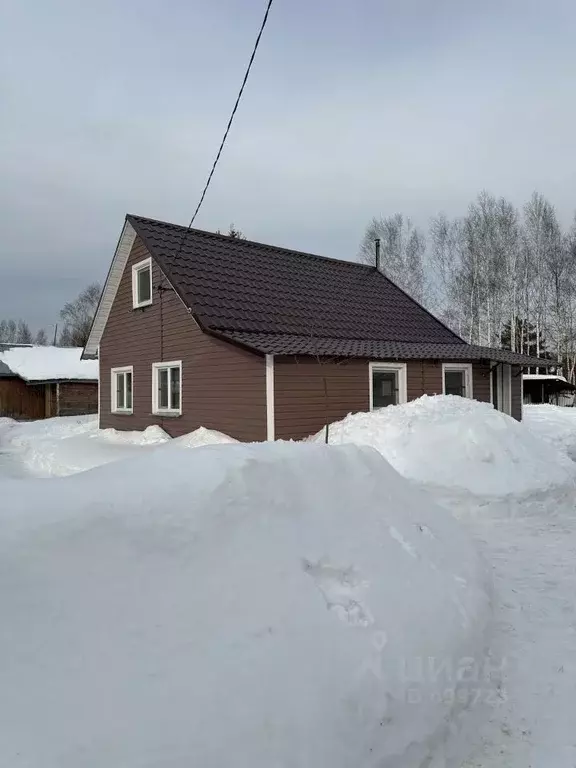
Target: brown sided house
{"x":201,"y":329}
{"x":39,"y":382}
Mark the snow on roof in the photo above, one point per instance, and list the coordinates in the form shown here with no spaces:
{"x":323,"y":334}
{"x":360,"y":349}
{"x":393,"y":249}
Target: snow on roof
{"x":542,"y":377}
{"x":49,"y":363}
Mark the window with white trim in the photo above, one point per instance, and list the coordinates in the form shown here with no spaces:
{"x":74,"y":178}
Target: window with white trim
{"x":167,"y":388}
{"x":142,"y":284}
{"x":121,"y":389}
{"x":457,"y":379}
{"x":387,"y":384}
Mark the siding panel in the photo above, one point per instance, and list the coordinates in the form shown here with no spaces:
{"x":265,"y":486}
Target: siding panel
{"x":302,"y":408}
{"x":223,"y":386}
{"x":517,"y":392}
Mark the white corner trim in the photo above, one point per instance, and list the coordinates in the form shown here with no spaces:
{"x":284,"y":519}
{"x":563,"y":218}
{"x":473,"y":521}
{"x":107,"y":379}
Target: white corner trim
{"x":113,"y":402}
{"x":99,"y":392}
{"x":156,"y":410}
{"x":270,"y":423}
{"x":468,"y":377}
{"x":121,"y":255}
{"x":136,"y":268}
{"x":402,"y":380}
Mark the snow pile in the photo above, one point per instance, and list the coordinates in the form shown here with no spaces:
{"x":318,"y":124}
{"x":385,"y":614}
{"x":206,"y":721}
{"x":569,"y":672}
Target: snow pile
{"x":66,"y":445}
{"x":49,"y":363}
{"x":255,"y":606}
{"x":555,"y":424}
{"x":458,"y":443}
{"x":203,"y":436}
{"x":152,"y":435}
{"x":58,"y":446}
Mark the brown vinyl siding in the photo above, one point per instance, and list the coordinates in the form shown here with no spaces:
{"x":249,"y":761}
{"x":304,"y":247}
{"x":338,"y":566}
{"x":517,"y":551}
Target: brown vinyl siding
{"x":223,"y":386}
{"x":517,"y":392}
{"x":481,"y":382}
{"x":302,"y":408}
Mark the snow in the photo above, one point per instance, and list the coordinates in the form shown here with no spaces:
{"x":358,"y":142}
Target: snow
{"x":49,"y":363}
{"x":173,"y":590}
{"x":67,"y":445}
{"x":458,"y":443}
{"x":249,"y":605}
{"x":542,"y":377}
{"x":554,"y":424}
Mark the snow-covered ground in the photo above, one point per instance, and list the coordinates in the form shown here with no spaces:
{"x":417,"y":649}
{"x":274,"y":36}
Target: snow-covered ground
{"x":272,"y":590}
{"x":456,"y":443}
{"x":66,"y":445}
{"x":286,"y":604}
{"x":554,"y":424}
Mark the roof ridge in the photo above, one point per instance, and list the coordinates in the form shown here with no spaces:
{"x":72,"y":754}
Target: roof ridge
{"x":257,"y":243}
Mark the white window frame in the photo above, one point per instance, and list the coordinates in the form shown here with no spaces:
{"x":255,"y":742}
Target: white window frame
{"x":113,"y":391}
{"x":465,"y":368}
{"x":155,"y":407}
{"x":504,"y":385}
{"x":136,"y":268}
{"x":400,"y":368}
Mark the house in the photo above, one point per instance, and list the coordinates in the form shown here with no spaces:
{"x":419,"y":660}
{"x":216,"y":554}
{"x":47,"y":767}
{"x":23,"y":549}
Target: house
{"x":39,"y":382}
{"x":196,"y":328}
{"x":548,"y":388}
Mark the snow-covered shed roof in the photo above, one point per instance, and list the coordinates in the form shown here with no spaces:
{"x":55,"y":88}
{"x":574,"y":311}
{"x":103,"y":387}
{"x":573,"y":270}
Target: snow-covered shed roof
{"x":47,"y":364}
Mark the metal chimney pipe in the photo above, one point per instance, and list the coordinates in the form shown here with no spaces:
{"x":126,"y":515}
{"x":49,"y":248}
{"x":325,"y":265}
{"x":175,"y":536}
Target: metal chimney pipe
{"x":377,"y":248}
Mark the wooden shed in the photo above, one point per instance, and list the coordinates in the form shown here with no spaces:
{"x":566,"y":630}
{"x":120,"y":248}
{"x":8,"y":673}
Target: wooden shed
{"x":41,"y":382}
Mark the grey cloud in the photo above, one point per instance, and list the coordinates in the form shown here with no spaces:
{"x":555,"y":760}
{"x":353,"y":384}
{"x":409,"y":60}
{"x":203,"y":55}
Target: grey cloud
{"x":353,"y":109}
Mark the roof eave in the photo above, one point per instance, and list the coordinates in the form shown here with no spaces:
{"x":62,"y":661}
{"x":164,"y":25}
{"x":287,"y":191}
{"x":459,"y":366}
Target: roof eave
{"x":115,"y":272}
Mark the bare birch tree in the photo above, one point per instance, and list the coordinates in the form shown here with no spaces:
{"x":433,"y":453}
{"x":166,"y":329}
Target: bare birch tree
{"x":403,"y":249}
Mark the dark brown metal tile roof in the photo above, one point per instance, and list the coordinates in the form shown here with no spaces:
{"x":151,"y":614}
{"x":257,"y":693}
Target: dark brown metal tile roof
{"x":282,"y":302}
{"x":281,"y":344}
{"x":239,"y":286}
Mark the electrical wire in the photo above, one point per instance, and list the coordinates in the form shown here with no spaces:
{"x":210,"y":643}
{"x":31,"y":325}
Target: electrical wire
{"x":227,"y":131}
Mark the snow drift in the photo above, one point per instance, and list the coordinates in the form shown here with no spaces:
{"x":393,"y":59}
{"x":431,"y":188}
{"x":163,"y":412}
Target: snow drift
{"x":242,"y":605}
{"x":455,"y":442}
{"x":554,"y":424}
{"x":67,"y":445}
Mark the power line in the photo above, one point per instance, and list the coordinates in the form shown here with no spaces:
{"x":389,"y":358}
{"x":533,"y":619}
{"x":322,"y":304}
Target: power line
{"x":227,"y":131}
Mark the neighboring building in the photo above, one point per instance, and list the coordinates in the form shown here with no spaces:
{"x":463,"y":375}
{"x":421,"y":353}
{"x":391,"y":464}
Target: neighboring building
{"x":548,"y":388}
{"x":39,"y":382}
{"x":201,"y":329}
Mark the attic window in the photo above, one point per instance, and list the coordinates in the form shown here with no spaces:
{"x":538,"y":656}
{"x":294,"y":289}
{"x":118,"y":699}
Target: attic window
{"x":142,"y":284}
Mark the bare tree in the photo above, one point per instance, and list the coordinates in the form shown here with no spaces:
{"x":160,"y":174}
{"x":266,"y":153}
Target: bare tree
{"x":233,"y":231}
{"x":15,"y":332}
{"x":41,"y":339}
{"x":23,"y":333}
{"x":66,"y":339}
{"x":77,"y":316}
{"x":403,"y":249}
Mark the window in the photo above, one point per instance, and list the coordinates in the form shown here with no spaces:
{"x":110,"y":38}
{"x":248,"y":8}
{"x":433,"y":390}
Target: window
{"x":387,"y":384}
{"x":121,"y":390}
{"x":142,"y":284}
{"x":167,"y":388}
{"x":457,"y":379}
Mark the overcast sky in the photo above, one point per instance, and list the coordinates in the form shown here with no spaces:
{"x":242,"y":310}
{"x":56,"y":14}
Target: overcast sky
{"x":355,"y":108}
